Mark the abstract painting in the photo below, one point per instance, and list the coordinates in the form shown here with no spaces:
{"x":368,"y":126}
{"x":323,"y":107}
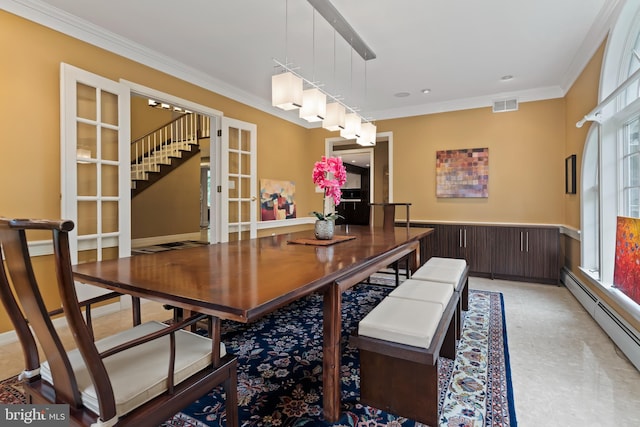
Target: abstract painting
{"x":626,"y":269}
{"x":462,"y":173}
{"x":277,"y":199}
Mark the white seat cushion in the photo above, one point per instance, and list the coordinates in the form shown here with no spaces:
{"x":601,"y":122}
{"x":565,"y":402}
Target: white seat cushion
{"x":139,"y":374}
{"x":401,"y":320}
{"x":453,"y":263}
{"x":438,"y":274}
{"x":424,"y":290}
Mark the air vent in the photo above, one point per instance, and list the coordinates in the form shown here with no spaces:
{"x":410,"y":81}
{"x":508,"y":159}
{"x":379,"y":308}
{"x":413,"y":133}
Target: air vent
{"x":505,"y":105}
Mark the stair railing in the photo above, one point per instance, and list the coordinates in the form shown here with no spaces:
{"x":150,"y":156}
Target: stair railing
{"x":158,"y":146}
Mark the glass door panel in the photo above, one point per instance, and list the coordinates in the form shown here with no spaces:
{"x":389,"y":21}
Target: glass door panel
{"x":239,"y":194}
{"x":95,"y":167}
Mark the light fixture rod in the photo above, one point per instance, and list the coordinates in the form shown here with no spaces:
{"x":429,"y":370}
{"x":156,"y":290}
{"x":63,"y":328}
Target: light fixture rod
{"x":287,"y":68}
{"x":337,"y":21}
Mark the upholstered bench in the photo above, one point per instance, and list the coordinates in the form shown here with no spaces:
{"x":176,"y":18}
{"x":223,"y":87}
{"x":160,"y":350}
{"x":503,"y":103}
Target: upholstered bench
{"x":436,"y":292}
{"x":400,"y":342}
{"x":447,"y":270}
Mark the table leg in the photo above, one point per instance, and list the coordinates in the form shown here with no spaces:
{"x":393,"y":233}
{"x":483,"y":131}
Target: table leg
{"x":215,"y":335}
{"x":331,"y":331}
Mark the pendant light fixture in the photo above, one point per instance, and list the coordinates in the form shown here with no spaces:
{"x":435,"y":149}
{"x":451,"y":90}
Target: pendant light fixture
{"x":288,"y":84}
{"x":367,"y":134}
{"x":314,"y":105}
{"x":334,"y":120}
{"x":286,"y":88}
{"x":367,"y":129}
{"x":314,"y":102}
{"x":352,"y":126}
{"x":352,"y":121}
{"x":286,"y":91}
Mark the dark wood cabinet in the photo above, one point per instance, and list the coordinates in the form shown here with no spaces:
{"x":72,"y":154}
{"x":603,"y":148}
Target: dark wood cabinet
{"x":469,"y":242}
{"x":527,"y":253}
{"x":353,"y":211}
{"x":516,"y":253}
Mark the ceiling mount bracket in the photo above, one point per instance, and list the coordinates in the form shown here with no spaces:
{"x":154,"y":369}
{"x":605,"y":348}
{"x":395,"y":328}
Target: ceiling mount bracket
{"x":337,"y":21}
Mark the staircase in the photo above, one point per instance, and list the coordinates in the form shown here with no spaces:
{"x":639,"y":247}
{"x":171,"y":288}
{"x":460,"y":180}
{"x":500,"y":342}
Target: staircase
{"x":163,"y":150}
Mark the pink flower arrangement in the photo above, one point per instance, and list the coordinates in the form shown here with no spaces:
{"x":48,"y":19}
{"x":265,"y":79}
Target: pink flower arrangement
{"x":329,"y":174}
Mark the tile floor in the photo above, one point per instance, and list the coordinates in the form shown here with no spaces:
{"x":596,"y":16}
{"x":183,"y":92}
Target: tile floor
{"x":566,"y":372}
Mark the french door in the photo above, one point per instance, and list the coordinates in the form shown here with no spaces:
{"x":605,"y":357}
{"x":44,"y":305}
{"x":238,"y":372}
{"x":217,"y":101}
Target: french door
{"x":95,"y":167}
{"x":239,"y":183}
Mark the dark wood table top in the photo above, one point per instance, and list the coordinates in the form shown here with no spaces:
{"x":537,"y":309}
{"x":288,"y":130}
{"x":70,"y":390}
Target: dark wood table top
{"x":247,"y":279}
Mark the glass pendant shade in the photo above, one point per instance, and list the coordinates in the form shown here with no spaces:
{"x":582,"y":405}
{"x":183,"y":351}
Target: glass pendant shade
{"x":314,"y":105}
{"x":367,"y":134}
{"x":286,"y":91}
{"x":352,"y":124}
{"x":334,"y":120}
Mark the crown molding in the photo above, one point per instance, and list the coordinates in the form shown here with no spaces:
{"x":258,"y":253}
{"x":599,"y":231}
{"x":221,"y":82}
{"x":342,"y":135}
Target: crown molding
{"x":56,"y":19}
{"x":539,"y":94}
{"x":595,"y":36}
{"x":59,"y":20}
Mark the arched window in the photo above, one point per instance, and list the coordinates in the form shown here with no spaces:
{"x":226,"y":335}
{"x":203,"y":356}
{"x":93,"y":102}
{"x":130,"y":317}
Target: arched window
{"x":611,"y":160}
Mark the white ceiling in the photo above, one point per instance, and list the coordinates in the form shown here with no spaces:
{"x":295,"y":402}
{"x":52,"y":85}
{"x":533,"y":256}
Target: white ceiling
{"x":459,"y":49}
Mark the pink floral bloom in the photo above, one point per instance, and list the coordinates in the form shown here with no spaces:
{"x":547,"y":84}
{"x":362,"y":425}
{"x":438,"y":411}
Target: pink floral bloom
{"x":329,"y":174}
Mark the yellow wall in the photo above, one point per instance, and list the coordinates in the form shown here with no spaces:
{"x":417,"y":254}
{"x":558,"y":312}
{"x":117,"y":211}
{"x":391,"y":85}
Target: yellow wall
{"x":527,"y":148}
{"x":30,"y":88}
{"x":580,"y":99}
{"x":170,"y":206}
{"x":145,"y":119}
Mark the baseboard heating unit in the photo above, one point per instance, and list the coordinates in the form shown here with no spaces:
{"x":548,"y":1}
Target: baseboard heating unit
{"x":619,"y":330}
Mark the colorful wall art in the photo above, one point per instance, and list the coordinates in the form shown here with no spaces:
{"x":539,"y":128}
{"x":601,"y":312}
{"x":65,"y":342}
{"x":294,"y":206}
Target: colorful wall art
{"x":277,"y":199}
{"x":626,"y":270}
{"x":462,"y":173}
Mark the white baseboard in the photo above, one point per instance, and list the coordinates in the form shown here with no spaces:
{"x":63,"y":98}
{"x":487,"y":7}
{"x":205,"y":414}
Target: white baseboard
{"x":159,"y":240}
{"x":625,"y":336}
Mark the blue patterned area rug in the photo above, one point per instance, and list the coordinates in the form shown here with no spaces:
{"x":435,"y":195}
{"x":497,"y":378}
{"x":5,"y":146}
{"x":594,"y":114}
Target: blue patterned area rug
{"x":280,"y":370}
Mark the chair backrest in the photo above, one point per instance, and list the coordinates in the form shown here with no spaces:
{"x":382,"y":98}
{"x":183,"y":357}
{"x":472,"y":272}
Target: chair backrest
{"x":389,"y":214}
{"x":26,"y":293}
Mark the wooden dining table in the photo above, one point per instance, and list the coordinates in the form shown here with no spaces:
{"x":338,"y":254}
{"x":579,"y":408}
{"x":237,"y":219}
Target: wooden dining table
{"x":247,"y":279}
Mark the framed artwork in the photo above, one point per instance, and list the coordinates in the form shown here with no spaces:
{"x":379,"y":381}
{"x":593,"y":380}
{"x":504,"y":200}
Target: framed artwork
{"x":462,"y":173}
{"x":626,"y":268}
{"x":277,"y":199}
{"x":570,"y":174}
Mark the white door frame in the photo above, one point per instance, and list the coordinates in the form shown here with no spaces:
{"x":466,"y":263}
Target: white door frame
{"x":334,"y":141}
{"x":215,"y":154}
{"x":252,"y":198}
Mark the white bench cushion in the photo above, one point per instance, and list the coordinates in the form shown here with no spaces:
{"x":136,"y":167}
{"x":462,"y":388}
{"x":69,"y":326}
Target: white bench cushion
{"x":424,"y":290}
{"x":401,"y":320}
{"x":438,"y":274}
{"x":139,"y":374}
{"x":453,"y":263}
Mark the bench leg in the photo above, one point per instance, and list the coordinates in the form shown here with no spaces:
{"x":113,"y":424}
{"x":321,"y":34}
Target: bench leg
{"x":398,"y":386}
{"x":465,"y":294}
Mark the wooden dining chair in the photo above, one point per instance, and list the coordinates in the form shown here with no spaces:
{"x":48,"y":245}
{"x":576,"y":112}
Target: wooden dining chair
{"x":389,"y":223}
{"x":138,"y":377}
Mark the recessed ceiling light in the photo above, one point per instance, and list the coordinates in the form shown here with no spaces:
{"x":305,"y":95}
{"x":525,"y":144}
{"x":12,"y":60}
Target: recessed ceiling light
{"x":426,"y":90}
{"x":402,"y":94}
{"x":506,"y":78}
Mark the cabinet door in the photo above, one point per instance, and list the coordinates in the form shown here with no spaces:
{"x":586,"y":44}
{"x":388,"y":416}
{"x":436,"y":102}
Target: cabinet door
{"x":449,"y":241}
{"x":477,"y":245}
{"x":543,"y":249}
{"x":508,"y":255}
